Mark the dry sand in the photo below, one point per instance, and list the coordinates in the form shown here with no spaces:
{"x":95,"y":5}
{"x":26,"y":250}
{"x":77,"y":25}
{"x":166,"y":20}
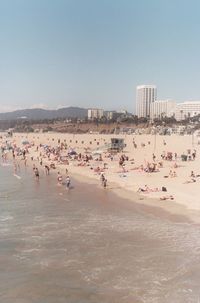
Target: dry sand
{"x":186,"y":196}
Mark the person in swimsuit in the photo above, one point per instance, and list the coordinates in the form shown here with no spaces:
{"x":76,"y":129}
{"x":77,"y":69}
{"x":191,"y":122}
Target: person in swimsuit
{"x":37,"y":175}
{"x":59,"y":178}
{"x":68,"y":181}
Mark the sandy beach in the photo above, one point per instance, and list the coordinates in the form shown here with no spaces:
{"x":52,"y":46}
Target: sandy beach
{"x":116,"y":243}
{"x":153,"y":171}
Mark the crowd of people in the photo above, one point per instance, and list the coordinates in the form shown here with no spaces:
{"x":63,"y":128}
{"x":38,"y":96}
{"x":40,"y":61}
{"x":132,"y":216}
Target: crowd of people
{"x":61,"y":156}
{"x":48,"y":158}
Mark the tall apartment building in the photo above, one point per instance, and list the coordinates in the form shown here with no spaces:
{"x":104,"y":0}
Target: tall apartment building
{"x":162,"y":108}
{"x":187,"y":109}
{"x":145,"y":96}
{"x":95,"y":113}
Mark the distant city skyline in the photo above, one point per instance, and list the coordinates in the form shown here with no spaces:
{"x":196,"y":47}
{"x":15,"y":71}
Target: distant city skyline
{"x":94,"y":53}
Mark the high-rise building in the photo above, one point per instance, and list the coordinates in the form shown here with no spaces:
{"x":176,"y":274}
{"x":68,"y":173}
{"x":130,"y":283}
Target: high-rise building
{"x":95,"y":113}
{"x":145,"y":95}
{"x":187,"y":109}
{"x":162,"y":108}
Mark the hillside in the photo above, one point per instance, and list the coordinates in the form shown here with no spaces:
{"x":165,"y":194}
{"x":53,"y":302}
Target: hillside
{"x":39,"y":114}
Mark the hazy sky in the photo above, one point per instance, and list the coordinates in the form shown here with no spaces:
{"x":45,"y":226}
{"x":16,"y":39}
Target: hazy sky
{"x":94,"y":52}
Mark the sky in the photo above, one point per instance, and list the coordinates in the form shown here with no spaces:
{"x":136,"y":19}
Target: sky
{"x":93,"y":53}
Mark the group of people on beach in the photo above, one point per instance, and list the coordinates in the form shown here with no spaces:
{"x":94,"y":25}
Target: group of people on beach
{"x":65,"y":182}
{"x":20,"y":154}
{"x":60,"y":178}
{"x":56,"y":156}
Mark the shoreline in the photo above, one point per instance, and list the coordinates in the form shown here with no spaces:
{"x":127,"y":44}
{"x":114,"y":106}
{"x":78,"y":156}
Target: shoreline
{"x":125,"y":187}
{"x":151,"y":206}
{"x":170,"y":208}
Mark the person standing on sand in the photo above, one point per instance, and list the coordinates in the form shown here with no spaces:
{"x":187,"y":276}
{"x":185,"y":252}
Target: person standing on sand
{"x":68,"y":182}
{"x":24,"y":154}
{"x":47,"y":169}
{"x":37,"y":175}
{"x":102,"y":179}
{"x":105,"y":183}
{"x":194,"y":154}
{"x":59,"y":178}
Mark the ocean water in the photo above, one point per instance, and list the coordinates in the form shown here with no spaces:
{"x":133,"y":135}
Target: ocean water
{"x":87,"y":245}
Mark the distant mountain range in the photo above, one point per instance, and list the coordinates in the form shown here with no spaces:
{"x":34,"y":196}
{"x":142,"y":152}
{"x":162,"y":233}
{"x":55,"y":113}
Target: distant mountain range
{"x":40,"y":114}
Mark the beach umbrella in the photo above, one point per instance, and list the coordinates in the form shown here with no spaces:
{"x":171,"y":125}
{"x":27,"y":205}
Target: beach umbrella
{"x":72,"y":152}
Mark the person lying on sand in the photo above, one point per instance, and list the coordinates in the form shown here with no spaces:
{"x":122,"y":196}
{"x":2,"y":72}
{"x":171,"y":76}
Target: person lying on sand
{"x":170,"y":197}
{"x":146,"y":189}
{"x":190,"y":181}
{"x":151,"y":167}
{"x":82,"y":164}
